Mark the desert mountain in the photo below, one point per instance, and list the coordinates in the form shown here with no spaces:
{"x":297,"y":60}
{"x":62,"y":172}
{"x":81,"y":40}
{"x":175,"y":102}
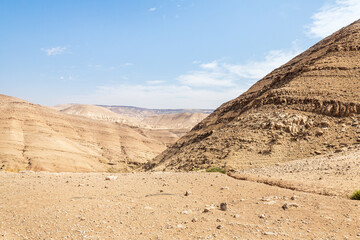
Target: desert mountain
{"x":184,"y":120}
{"x":142,"y":113}
{"x":308,"y":106}
{"x":139,"y":117}
{"x":99,"y":113}
{"x":38,"y":138}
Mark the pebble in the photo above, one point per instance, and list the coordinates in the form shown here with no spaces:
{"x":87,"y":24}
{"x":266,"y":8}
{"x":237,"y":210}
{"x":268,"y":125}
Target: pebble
{"x":194,"y":219}
{"x":223,"y":206}
{"x":186,"y":212}
{"x":110,"y":178}
{"x":269,"y":233}
{"x":289,"y":205}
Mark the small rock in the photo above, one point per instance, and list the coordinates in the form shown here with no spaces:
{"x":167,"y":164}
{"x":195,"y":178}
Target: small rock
{"x":236,"y":216}
{"x":223,"y":206}
{"x":269,"y":233}
{"x":187,"y":193}
{"x":262,"y":216}
{"x":289,"y":205}
{"x":219,"y":227}
{"x":194,"y":219}
{"x":180,"y":226}
{"x":110,"y":178}
{"x":224,"y":188}
{"x":186,"y":212}
{"x":270,"y":202}
{"x":293,"y":197}
{"x":319,"y":133}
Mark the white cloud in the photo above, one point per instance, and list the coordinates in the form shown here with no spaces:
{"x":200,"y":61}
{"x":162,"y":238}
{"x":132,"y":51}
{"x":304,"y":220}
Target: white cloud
{"x":207,"y":79}
{"x":155,"y":82}
{"x":54,"y":51}
{"x":210,"y":65}
{"x":259,"y":69}
{"x":222,"y":74}
{"x":152,"y":9}
{"x":332,"y":17}
{"x":209,"y":86}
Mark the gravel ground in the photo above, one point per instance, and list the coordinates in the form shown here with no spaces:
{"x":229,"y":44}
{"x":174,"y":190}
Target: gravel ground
{"x":154,"y":206}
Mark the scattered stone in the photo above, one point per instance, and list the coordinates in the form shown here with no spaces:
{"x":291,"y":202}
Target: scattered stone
{"x":269,"y":233}
{"x":319,"y":133}
{"x":262,"y":216}
{"x":194,"y":219}
{"x":223,"y":206}
{"x":289,"y":205}
{"x":186,"y":211}
{"x":206,"y":210}
{"x":236,"y":216}
{"x":110,"y":178}
{"x":224,"y":188}
{"x":270,"y":202}
{"x":180,"y":226}
{"x":293,"y":197}
{"x":187,"y":193}
{"x":219,"y":227}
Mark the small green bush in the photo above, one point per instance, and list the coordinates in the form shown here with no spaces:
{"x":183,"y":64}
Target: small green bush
{"x":216,"y":169}
{"x":355,"y":195}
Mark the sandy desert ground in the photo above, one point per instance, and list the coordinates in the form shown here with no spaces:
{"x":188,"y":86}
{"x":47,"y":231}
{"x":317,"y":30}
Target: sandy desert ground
{"x":331,"y":174}
{"x":155,"y":206}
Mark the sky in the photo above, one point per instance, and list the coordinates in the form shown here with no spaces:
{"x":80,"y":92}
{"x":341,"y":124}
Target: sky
{"x":155,"y":53}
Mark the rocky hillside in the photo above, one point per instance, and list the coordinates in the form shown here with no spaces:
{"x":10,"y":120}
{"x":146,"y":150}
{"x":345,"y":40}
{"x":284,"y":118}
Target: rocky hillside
{"x":33,"y":137}
{"x":309,"y":106}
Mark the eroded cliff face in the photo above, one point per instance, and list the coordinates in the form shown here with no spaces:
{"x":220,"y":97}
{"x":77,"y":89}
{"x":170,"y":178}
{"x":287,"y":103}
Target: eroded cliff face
{"x":309,"y":106}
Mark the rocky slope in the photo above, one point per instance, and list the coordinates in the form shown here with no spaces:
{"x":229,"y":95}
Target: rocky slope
{"x":39,"y":138}
{"x":309,"y":106}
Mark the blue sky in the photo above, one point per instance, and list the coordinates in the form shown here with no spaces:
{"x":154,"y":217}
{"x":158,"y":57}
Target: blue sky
{"x":156,"y":54}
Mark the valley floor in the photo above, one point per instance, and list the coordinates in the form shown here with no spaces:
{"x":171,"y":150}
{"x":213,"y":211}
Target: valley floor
{"x":154,"y":206}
